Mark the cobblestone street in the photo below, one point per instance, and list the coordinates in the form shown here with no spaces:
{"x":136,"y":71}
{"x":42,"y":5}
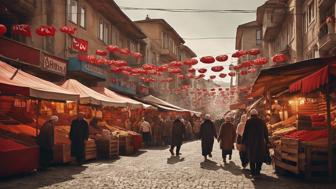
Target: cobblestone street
{"x":155,"y":168}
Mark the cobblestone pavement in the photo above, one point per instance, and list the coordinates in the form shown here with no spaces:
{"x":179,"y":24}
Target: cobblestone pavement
{"x":154,"y":168}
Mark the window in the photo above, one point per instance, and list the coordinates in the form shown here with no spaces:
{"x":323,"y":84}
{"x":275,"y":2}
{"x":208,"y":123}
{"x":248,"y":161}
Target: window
{"x":311,"y":12}
{"x":258,"y":36}
{"x":73,"y":10}
{"x":104,"y":31}
{"x":82,"y":17}
{"x":305,"y":29}
{"x":290,"y":31}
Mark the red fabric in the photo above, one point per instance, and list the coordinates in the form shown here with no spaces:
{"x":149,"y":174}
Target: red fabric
{"x":296,"y":86}
{"x":17,"y":158}
{"x":319,"y":124}
{"x":306,"y":135}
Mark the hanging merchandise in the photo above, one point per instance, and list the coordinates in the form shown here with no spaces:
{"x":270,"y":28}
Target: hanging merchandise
{"x":45,"y":30}
{"x":3,"y":29}
{"x":190,"y":62}
{"x":207,"y":60}
{"x":22,"y":29}
{"x":279,"y":58}
{"x":68,"y":30}
{"x":217,"y":68}
{"x":222,"y":58}
{"x":253,"y":52}
{"x":202,"y":70}
{"x":101,"y":52}
{"x":222,"y":75}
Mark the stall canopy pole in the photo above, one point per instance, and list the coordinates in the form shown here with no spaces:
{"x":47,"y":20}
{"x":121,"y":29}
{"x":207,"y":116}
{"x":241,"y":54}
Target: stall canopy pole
{"x":330,"y":134}
{"x":38,"y":109}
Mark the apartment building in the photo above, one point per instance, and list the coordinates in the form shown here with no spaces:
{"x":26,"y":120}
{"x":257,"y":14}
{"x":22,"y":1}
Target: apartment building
{"x":98,"y":22}
{"x":300,"y":29}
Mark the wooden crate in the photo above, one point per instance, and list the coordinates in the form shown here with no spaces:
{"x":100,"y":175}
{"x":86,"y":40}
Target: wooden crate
{"x":114,"y":147}
{"x":62,"y":153}
{"x":90,"y":150}
{"x":108,"y":148}
{"x":126,"y":146}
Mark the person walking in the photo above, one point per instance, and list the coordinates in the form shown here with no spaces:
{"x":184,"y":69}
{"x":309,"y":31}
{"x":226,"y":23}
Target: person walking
{"x":226,"y":138}
{"x":178,"y":132}
{"x":46,"y":141}
{"x":239,"y":142}
{"x":146,"y":130}
{"x":79,"y":133}
{"x":207,"y":135}
{"x":255,"y":138}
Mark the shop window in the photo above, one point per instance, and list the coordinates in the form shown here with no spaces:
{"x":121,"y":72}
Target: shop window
{"x":73,"y":11}
{"x":82,"y":17}
{"x":258,"y":36}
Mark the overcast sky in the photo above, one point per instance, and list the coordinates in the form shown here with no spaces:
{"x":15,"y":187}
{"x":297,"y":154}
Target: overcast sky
{"x":194,"y":25}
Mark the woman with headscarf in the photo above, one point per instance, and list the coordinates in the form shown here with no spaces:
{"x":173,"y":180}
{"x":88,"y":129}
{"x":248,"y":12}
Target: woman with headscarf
{"x":226,"y":138}
{"x":207,"y":136}
{"x":240,"y":146}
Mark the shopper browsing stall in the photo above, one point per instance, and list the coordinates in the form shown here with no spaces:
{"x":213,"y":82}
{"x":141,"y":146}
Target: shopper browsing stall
{"x":79,"y":133}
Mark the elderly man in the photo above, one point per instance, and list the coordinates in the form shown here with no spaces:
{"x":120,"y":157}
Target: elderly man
{"x":146,"y":130}
{"x":178,"y":132}
{"x":79,"y":133}
{"x":46,"y":141}
{"x":255,"y":138}
{"x":207,"y":135}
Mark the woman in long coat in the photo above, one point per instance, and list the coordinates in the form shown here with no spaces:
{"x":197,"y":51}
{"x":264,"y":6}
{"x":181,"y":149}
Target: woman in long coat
{"x":79,"y":133}
{"x":255,"y":138}
{"x":178,"y":132}
{"x":207,"y":136}
{"x":226,"y":138}
{"x":240,"y":146}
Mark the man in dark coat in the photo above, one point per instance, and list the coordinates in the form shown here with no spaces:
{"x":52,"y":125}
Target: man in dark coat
{"x":46,"y":141}
{"x":79,"y":133}
{"x":255,"y":138}
{"x":207,"y":135}
{"x":178,"y":132}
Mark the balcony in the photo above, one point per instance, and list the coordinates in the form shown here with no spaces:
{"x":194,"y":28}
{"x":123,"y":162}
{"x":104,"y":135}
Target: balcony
{"x":327,"y":38}
{"x":168,"y":55}
{"x":25,"y":8}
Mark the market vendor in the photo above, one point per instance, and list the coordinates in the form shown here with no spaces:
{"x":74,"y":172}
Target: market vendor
{"x":46,"y":141}
{"x":79,"y":133}
{"x":146,"y":130}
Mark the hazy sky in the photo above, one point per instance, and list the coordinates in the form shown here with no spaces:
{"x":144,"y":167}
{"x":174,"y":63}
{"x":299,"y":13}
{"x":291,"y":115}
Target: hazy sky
{"x":194,"y":25}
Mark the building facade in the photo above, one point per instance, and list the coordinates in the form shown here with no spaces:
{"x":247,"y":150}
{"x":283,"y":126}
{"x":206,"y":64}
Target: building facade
{"x":98,"y":23}
{"x":300,"y":29}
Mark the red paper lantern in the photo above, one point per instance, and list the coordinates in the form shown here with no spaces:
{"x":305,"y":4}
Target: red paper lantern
{"x":22,"y":29}
{"x":127,"y":68}
{"x":260,"y":61}
{"x":163,"y":68}
{"x":243,"y":72}
{"x":253,"y":52}
{"x":116,"y":69}
{"x":69,"y":30}
{"x":121,"y":63}
{"x":279,"y":58}
{"x":217,"y":68}
{"x":222,"y":58}
{"x":252,"y":70}
{"x":180,"y":76}
{"x":3,"y":29}
{"x":174,"y":70}
{"x":176,"y":64}
{"x":112,"y":48}
{"x":191,"y":70}
{"x":124,"y":51}
{"x":101,"y":52}
{"x":246,"y":64}
{"x":190,"y":76}
{"x":190,"y":62}
{"x":232,"y":74}
{"x":212,"y":77}
{"x":91,"y":59}
{"x":239,"y":54}
{"x":207,"y":60}
{"x":148,"y":67}
{"x":222,"y":75}
{"x":45,"y":31}
{"x":136,"y":55}
{"x":202,"y":70}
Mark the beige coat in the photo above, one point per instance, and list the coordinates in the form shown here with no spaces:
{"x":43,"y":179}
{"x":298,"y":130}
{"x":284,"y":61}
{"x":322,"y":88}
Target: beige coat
{"x":227,"y":136}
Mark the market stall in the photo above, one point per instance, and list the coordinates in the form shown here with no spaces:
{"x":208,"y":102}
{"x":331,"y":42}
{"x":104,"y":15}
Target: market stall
{"x":301,"y":106}
{"x":21,"y":116}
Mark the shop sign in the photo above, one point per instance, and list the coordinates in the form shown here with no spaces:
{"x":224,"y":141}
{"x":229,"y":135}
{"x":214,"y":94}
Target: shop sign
{"x":52,"y":64}
{"x":80,"y":44}
{"x":94,"y":69}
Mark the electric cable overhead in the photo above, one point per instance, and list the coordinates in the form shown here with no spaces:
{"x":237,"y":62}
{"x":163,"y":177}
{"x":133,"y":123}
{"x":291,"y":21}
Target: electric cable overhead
{"x":191,"y":10}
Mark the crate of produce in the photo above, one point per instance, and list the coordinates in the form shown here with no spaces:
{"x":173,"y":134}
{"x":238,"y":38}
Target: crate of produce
{"x":114,"y":147}
{"x":90,"y":150}
{"x":62,"y":153}
{"x":107,"y":148}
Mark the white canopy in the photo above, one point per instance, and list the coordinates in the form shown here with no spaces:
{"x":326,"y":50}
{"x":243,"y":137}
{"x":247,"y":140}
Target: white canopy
{"x":89,"y":96}
{"x":14,"y":81}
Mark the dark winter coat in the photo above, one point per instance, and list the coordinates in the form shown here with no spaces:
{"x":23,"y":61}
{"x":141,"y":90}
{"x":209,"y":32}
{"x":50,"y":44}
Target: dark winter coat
{"x":227,"y":136}
{"x":79,"y":133}
{"x":207,"y":135}
{"x":46,"y":136}
{"x":178,"y":132}
{"x":255,"y":139}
